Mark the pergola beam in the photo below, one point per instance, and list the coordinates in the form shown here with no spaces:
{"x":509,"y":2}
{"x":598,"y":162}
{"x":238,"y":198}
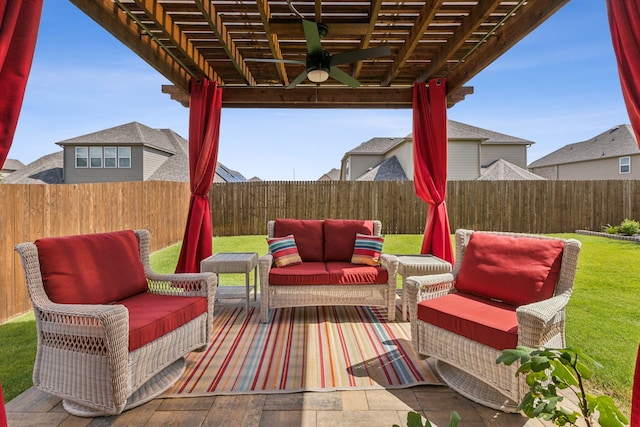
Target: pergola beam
{"x":272,"y":39}
{"x":373,"y":17}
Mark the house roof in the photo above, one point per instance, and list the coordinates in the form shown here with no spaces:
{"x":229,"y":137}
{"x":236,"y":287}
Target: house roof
{"x":12,"y":165}
{"x":333,"y":175}
{"x":463,"y":131}
{"x":502,"y":170}
{"x":376,"y":146}
{"x":615,"y":142}
{"x":132,"y":133}
{"x":388,"y":170}
{"x":46,"y":170}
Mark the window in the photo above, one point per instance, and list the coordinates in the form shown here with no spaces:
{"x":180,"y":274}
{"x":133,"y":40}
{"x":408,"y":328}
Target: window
{"x":82,"y":157}
{"x":124,"y":157}
{"x":95,"y":159}
{"x":110,"y":155}
{"x":625,"y":164}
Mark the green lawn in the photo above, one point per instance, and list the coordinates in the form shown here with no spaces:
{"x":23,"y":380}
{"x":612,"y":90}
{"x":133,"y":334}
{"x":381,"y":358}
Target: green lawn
{"x":602,"y":318}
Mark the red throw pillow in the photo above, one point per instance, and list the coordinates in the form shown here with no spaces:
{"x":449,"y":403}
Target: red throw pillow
{"x":340,"y":237}
{"x":92,"y":268}
{"x":284,"y":251}
{"x":308,"y":234}
{"x":514,"y":270}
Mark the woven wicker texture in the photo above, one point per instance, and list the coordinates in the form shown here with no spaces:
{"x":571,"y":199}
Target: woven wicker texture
{"x":83,"y":354}
{"x":374,"y":295}
{"x":468,"y":366}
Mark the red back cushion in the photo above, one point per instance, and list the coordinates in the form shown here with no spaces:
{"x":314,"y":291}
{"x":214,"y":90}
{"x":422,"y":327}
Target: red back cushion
{"x":514,"y":270}
{"x":340,"y":237}
{"x":308,"y":236}
{"x":92,"y":268}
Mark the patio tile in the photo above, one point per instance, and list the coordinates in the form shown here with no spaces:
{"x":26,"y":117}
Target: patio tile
{"x":358,"y":418}
{"x":288,"y":418}
{"x":191,"y":404}
{"x":355,"y":400}
{"x":397,"y":399}
{"x":176,"y":418}
{"x":235,"y":411}
{"x":331,"y":401}
{"x":25,"y":419}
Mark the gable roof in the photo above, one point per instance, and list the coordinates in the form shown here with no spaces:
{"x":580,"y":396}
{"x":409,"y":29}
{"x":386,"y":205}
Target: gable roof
{"x":375,"y":146}
{"x":463,"y":131}
{"x":332,"y":175}
{"x":132,"y":133}
{"x":615,"y":142}
{"x":12,"y":165}
{"x":45,"y":170}
{"x":388,"y":170}
{"x":502,"y":170}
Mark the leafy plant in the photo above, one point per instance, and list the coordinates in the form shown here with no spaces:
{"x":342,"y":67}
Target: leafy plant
{"x":629,"y":227}
{"x":610,"y":229}
{"x":549,"y":370}
{"x":415,"y":420}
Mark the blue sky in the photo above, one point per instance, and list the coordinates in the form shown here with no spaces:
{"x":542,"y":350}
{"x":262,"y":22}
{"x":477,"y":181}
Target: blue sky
{"x":557,"y":86}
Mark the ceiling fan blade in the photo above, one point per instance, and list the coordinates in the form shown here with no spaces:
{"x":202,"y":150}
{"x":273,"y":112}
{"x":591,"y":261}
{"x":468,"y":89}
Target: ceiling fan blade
{"x":312,"y":35}
{"x":284,"y":61}
{"x":298,"y":80}
{"x":359,"y":55}
{"x":343,"y":77}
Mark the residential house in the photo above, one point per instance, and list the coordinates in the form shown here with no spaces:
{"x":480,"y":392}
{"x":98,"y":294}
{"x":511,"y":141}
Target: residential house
{"x":613,"y":154}
{"x":130,"y":152}
{"x":9,"y":167}
{"x":471,"y":150}
{"x":332,"y":175}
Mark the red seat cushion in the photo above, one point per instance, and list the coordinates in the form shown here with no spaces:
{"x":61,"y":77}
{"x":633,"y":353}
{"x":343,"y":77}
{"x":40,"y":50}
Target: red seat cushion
{"x":345,"y":273}
{"x":308,"y":234}
{"x":307,"y":273}
{"x":514,"y":270}
{"x":340,"y":237}
{"x":152,"y":316}
{"x":92,"y":268}
{"x":488,"y":322}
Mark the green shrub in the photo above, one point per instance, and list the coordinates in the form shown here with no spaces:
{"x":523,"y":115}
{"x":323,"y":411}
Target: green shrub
{"x":610,"y":229}
{"x":629,"y":227}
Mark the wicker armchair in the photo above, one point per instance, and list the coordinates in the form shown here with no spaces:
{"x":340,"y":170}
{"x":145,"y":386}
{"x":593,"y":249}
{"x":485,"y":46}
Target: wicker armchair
{"x":469,"y":366}
{"x":83,"y":353}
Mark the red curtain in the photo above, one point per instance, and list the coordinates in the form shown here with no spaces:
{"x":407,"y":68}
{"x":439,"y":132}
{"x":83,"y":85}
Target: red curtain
{"x":635,"y":394}
{"x":624,"y":23}
{"x":430,"y":164}
{"x":19,"y":22}
{"x":204,"y":132}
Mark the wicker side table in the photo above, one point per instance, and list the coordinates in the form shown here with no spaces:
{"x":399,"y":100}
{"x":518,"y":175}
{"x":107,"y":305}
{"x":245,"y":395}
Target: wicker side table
{"x":233,"y":262}
{"x":418,"y":265}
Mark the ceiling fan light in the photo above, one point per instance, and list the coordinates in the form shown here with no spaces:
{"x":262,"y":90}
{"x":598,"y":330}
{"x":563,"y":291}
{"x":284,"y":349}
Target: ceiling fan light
{"x":318,"y":75}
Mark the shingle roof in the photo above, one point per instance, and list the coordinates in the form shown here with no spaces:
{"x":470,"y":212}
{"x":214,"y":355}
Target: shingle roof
{"x":132,"y":133}
{"x":457,"y":130}
{"x":502,"y":170}
{"x":12,"y":165}
{"x":376,"y":146}
{"x":46,"y":170}
{"x":333,"y":175}
{"x":388,"y":170}
{"x":617,"y":141}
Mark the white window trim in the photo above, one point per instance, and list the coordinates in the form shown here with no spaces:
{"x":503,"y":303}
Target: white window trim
{"x":621,"y":164}
{"x":121,"y":157}
{"x":77,"y":157}
{"x":115,"y":158}
{"x":92,"y":157}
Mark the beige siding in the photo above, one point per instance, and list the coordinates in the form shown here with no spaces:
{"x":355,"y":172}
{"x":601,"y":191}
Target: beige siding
{"x":515,"y":154}
{"x":73,"y":175}
{"x":598,"y":169}
{"x":463,"y":160}
{"x":404,"y":153}
{"x":548,"y":172}
{"x":362,"y":163}
{"x":152,"y":160}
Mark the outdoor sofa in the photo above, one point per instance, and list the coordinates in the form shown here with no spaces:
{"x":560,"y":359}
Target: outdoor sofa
{"x":505,"y":290}
{"x":112,"y":334}
{"x":326,"y":262}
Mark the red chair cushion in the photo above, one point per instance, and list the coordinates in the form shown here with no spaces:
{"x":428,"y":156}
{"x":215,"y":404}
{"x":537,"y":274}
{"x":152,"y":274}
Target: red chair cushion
{"x":340,"y":237}
{"x":488,"y":322}
{"x":152,"y":316}
{"x":307,"y":273}
{"x":345,"y":273}
{"x":92,"y":268}
{"x":514,"y":270}
{"x":308,"y":234}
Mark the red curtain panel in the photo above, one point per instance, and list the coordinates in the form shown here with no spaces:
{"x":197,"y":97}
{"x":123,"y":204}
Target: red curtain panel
{"x":19,"y":22}
{"x":635,"y":396}
{"x":430,"y":164}
{"x":204,"y":133}
{"x":624,"y":23}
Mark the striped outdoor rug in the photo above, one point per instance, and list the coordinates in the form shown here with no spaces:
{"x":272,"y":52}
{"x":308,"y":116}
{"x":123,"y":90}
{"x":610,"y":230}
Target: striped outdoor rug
{"x":303,"y":349}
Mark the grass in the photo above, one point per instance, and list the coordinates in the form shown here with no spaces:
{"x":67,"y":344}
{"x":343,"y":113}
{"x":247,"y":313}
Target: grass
{"x":602,"y":317}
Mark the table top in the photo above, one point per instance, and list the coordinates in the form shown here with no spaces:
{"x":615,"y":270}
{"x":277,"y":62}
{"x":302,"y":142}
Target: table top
{"x":422,"y":264}
{"x":232,"y":256}
{"x":230,"y":262}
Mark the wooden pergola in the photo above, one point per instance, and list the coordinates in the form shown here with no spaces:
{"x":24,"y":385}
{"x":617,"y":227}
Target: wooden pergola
{"x":222,"y":39}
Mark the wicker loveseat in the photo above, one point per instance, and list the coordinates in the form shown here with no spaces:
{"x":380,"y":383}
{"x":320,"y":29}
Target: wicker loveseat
{"x":505,"y":290}
{"x":111,"y":333}
{"x":326,"y":275}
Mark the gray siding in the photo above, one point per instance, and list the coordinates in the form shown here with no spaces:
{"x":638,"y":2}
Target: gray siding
{"x":73,"y":175}
{"x":598,"y":169}
{"x":463,"y":160}
{"x":152,"y":160}
{"x":361,"y":164}
{"x":404,"y":153}
{"x":515,"y":154}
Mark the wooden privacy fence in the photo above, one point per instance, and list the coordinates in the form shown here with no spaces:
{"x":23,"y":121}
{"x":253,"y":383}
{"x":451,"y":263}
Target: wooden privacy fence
{"x":32,"y":211}
{"x":519,"y":206}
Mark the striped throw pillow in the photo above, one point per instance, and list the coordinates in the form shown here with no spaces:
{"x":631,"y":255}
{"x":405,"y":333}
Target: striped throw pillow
{"x":367,"y":249}
{"x":284,"y":251}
